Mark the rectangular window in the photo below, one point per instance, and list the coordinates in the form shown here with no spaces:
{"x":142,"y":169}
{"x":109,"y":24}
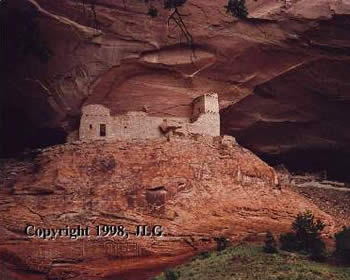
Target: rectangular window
{"x":102,"y":130}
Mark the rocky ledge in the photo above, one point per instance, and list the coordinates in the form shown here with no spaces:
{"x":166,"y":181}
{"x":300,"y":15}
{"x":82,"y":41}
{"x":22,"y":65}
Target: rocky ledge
{"x":196,"y":189}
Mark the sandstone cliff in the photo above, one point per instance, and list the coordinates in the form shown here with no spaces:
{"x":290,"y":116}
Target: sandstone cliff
{"x":282,"y":82}
{"x":196,"y":189}
{"x":294,"y":53}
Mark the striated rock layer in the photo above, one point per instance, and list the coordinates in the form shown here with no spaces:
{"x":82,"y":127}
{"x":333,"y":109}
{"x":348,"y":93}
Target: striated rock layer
{"x":196,"y":189}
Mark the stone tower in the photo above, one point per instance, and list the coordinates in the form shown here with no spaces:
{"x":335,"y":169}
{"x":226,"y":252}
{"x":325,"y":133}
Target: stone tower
{"x":204,"y":104}
{"x":206,"y":115}
{"x":95,"y":122}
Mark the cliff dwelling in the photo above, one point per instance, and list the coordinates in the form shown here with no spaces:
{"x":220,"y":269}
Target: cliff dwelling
{"x":97,"y":123}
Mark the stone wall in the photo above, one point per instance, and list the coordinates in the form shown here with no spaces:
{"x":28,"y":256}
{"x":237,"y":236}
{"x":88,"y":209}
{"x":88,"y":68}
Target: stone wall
{"x":205,"y":120}
{"x":206,"y":124}
{"x":138,"y":125}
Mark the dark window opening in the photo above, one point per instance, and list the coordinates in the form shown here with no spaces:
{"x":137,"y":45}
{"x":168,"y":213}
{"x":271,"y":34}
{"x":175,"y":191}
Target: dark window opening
{"x":102,"y":130}
{"x":90,"y":126}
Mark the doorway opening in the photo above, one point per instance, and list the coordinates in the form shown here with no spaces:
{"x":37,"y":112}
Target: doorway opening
{"x":102,"y":130}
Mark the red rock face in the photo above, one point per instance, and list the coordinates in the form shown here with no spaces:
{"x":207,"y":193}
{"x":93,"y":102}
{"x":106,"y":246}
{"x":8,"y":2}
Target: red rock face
{"x":195,"y":189}
{"x":299,"y":118}
{"x":136,"y":61}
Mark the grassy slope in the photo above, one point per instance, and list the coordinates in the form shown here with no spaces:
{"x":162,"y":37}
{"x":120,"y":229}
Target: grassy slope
{"x":251,"y":263}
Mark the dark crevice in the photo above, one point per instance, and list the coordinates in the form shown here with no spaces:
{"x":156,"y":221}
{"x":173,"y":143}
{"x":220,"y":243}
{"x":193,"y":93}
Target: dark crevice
{"x":157,"y":189}
{"x":333,"y":163}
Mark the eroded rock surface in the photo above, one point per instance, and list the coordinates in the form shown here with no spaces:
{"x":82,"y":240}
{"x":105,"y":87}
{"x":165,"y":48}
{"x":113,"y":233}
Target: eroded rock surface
{"x":196,"y":189}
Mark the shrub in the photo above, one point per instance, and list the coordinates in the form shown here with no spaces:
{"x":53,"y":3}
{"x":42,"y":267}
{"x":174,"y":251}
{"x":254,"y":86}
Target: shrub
{"x":288,"y":242}
{"x":305,"y":236}
{"x":221,"y":243}
{"x":204,"y":255}
{"x":342,"y":243}
{"x":270,"y":244}
{"x":307,"y":230}
{"x":317,"y":250}
{"x":237,"y":8}
{"x":171,"y":275}
{"x":152,"y":12}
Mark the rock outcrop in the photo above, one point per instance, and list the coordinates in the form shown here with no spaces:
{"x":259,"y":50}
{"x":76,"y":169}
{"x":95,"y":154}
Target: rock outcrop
{"x":196,"y":189}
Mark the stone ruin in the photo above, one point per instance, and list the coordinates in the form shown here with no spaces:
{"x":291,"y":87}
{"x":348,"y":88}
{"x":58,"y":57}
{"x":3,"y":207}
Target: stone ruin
{"x":97,"y":123}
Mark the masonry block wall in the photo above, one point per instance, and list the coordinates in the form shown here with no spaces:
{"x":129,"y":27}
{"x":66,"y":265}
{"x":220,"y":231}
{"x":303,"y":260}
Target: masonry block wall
{"x":97,"y":122}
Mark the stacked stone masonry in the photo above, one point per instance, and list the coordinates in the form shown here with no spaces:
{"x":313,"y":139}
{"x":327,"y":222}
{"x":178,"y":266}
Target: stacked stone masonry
{"x":97,"y":123}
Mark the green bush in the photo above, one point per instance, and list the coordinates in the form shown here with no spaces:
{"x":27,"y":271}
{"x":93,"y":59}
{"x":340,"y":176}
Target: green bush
{"x":171,"y":275}
{"x":270,"y":244}
{"x":171,"y":4}
{"x":237,"y":8}
{"x":288,"y":242}
{"x":317,"y":250}
{"x":152,"y":12}
{"x":204,"y":255}
{"x":307,"y":230}
{"x":342,"y":243}
{"x":221,"y":243}
{"x":305,"y":236}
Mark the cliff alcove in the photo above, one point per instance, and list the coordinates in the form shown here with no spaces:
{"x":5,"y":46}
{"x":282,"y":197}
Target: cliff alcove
{"x":281,"y":75}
